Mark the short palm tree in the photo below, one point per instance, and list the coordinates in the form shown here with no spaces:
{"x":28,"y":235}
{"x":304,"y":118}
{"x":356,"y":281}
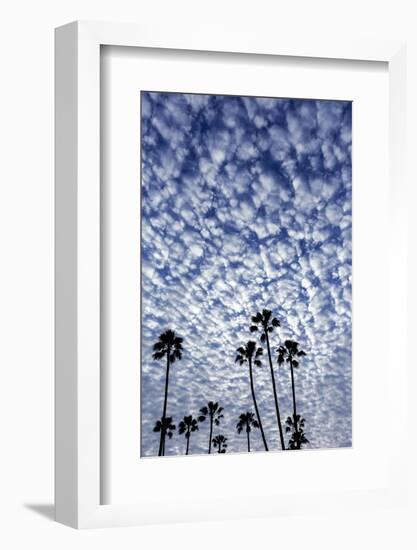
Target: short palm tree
{"x":247,"y":422}
{"x":187,"y":426}
{"x":290,"y":353}
{"x":250,"y":354}
{"x":298,"y":437}
{"x":219,"y":442}
{"x":265,"y":323}
{"x":214,"y":412}
{"x":170,"y":346}
{"x":166,"y":427}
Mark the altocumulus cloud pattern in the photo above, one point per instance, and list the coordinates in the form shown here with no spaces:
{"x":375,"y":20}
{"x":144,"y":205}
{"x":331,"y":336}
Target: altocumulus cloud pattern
{"x":246,"y":204}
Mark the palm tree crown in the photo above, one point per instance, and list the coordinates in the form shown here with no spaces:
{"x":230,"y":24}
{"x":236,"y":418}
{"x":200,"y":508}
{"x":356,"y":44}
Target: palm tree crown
{"x":288,"y":352}
{"x":213,"y":411}
{"x":187,"y":426}
{"x":166,"y":427}
{"x":246,"y":420}
{"x":220,"y":442}
{"x":249,"y":352}
{"x":266,"y":321}
{"x":168,"y":344}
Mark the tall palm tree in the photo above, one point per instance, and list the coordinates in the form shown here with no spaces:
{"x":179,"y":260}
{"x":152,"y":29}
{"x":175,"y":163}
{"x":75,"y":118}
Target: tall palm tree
{"x":214,"y":412}
{"x":289,"y":352}
{"x":186,"y":426}
{"x":265,"y":323}
{"x":165,"y":426}
{"x":168,"y":345}
{"x":247,"y":421}
{"x":220,"y":442}
{"x":250,"y":354}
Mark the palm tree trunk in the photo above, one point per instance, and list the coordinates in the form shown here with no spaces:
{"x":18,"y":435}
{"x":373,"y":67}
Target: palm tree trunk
{"x":211,"y":433}
{"x":247,"y":433}
{"x":188,"y":443}
{"x":256,"y":405}
{"x":161,"y":443}
{"x":281,"y":435}
{"x":164,"y":412}
{"x":293,"y":397}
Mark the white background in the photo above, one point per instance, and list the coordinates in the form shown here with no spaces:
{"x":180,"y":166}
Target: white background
{"x":26,"y":301}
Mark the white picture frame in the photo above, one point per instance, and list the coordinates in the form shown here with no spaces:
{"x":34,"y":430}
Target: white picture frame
{"x":77,"y":498}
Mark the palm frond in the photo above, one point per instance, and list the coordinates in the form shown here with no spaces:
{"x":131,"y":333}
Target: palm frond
{"x":266,"y":314}
{"x":158,"y":346}
{"x":257,"y":318}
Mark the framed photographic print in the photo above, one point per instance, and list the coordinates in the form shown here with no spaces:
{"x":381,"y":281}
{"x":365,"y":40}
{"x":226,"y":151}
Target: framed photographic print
{"x":228,"y":215}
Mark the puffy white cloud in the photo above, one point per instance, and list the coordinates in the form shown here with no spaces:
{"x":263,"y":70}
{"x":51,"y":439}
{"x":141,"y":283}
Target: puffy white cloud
{"x":334,"y":213}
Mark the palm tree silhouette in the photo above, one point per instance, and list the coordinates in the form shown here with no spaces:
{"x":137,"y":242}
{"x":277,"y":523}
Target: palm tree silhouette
{"x":289,"y":353}
{"x":188,"y":425}
{"x":220,"y":442}
{"x":164,"y":426}
{"x":266,"y":325}
{"x":249,"y":353}
{"x":214,"y":412}
{"x":168,"y":345}
{"x":298,"y":437}
{"x":247,"y":421}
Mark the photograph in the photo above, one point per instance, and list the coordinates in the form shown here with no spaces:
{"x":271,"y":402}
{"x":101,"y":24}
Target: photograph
{"x":246,"y":274}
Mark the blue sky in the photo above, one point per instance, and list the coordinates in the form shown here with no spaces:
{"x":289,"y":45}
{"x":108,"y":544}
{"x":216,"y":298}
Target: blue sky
{"x":246,"y":204}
